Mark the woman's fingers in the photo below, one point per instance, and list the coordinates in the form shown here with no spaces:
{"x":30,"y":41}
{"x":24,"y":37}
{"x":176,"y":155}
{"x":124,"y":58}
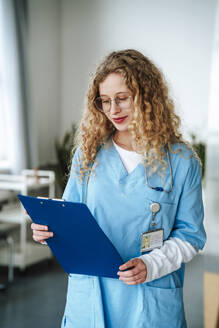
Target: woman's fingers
{"x":131,"y":263}
{"x":35,"y":226}
{"x":136,"y":275}
{"x":41,"y":235}
{"x":140,"y":275}
{"x":131,"y":272}
{"x":136,"y":282}
{"x":40,"y":232}
{"x":133,"y":267}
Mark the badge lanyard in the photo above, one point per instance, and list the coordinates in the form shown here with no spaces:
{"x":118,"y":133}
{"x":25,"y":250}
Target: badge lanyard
{"x":154,"y":238}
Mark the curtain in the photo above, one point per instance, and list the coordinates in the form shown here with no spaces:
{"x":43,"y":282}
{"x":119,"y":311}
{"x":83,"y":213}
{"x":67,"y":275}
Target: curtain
{"x":14,"y":100}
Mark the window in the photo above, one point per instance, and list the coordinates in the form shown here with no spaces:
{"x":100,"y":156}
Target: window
{"x":12,"y":135}
{"x":4,"y":156}
{"x":4,"y":163}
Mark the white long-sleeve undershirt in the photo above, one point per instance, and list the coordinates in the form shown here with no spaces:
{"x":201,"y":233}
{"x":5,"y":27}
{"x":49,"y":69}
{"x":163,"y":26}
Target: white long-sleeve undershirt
{"x":168,"y":258}
{"x":174,"y":252}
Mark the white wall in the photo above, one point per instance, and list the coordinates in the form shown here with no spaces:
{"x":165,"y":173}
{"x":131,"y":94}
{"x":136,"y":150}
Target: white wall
{"x":80,"y":45}
{"x":44,"y":76}
{"x":212,"y":181}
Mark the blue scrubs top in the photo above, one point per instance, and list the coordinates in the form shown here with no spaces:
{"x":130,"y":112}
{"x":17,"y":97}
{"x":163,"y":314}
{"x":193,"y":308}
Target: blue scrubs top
{"x":120,"y":203}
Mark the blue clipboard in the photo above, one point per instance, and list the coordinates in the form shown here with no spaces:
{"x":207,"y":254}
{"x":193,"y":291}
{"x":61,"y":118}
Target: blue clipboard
{"x":79,"y":244}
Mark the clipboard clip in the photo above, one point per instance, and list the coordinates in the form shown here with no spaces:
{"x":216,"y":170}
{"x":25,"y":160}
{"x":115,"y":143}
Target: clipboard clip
{"x":46,"y":198}
{"x":61,"y":200}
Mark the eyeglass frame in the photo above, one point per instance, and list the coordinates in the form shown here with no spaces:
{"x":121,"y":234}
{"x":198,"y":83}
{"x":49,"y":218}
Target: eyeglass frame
{"x":111,"y":99}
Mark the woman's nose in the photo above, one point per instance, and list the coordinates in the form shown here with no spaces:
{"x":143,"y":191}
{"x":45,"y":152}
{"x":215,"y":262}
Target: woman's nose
{"x":114,"y":107}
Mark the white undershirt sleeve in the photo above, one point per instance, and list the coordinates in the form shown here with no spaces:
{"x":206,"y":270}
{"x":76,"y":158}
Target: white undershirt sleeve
{"x":168,"y":258}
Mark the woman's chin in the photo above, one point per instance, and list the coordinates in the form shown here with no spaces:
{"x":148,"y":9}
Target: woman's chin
{"x":121,"y":128}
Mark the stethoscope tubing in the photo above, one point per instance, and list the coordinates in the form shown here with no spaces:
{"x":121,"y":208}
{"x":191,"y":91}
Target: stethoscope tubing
{"x":171,"y":175}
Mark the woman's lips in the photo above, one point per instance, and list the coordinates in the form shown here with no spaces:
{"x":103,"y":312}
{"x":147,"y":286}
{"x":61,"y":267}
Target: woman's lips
{"x":119,"y":119}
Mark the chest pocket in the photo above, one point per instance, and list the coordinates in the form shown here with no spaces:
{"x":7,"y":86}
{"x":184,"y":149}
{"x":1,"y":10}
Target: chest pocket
{"x":165,"y":217}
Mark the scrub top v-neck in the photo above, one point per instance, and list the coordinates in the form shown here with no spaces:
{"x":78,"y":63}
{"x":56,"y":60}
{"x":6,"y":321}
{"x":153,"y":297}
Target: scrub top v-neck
{"x":130,"y":159}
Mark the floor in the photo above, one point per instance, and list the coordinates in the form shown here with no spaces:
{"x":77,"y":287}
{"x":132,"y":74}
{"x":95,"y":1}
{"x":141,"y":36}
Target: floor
{"x":37,"y":297}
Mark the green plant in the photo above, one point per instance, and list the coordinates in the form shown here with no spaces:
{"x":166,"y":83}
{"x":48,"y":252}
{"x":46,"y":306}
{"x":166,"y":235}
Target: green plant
{"x":64,"y":153}
{"x":200,"y":149}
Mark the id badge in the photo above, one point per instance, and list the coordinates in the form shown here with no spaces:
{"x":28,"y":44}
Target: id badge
{"x":151,"y":239}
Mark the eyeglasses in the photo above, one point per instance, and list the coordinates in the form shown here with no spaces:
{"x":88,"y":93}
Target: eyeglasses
{"x":123,"y":100}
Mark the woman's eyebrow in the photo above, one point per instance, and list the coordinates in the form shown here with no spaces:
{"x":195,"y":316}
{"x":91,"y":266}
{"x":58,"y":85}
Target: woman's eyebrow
{"x":115,"y":93}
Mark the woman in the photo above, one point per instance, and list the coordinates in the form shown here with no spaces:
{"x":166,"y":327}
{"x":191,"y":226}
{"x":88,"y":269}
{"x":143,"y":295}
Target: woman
{"x":142,"y":183}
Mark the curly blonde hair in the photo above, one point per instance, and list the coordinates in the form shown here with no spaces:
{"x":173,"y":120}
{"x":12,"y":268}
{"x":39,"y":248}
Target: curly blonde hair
{"x":155,"y":124}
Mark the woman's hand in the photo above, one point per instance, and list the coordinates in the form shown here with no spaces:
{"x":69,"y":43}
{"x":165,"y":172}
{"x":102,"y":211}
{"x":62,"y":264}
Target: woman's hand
{"x":136,"y":273}
{"x":40,"y":232}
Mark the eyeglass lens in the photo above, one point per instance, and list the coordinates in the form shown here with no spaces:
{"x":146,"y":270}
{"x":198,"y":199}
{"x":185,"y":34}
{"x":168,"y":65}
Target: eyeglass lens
{"x":123,"y":101}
